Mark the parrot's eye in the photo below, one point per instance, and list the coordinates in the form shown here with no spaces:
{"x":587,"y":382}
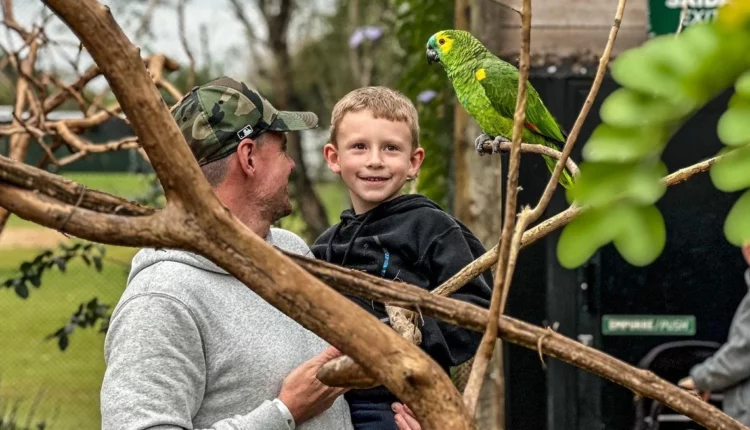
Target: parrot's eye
{"x":441,"y":41}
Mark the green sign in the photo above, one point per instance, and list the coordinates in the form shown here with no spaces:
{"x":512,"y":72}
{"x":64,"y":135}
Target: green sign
{"x":648,"y":325}
{"x":664,"y":15}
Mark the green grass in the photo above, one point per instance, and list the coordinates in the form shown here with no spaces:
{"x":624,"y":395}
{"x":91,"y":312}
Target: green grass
{"x":70,"y":379}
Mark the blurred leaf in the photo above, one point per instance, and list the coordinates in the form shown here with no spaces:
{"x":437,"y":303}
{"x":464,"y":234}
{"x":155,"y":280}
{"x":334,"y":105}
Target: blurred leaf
{"x":36,"y":280}
{"x":742,"y":86}
{"x":732,"y":172}
{"x":643,"y":238}
{"x":609,"y":143}
{"x":734,"y":125}
{"x":97,"y":262}
{"x":587,"y":233}
{"x":737,"y":224}
{"x":629,"y":108}
{"x":601,"y":184}
{"x":21,"y":289}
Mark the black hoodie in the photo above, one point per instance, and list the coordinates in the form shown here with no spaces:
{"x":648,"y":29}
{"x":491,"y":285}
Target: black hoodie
{"x":411,"y":239}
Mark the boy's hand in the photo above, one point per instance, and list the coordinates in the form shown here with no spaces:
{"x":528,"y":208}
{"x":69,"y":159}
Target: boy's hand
{"x":303,"y":394}
{"x":405,"y":419}
{"x":689,"y":384}
{"x":746,"y":252}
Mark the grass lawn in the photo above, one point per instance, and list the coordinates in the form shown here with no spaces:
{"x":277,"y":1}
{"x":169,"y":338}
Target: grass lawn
{"x":70,"y":380}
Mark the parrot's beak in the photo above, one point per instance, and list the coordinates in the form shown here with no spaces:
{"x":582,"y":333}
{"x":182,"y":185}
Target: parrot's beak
{"x":432,"y":55}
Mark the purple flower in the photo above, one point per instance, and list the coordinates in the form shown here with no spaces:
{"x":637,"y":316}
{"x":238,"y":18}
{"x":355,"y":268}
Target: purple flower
{"x":373,"y":33}
{"x":356,"y":38}
{"x":426,"y":95}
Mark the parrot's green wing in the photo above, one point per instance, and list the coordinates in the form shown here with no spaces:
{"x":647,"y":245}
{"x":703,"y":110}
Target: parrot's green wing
{"x":500,"y":82}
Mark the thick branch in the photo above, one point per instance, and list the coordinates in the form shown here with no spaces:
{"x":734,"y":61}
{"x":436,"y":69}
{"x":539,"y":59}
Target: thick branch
{"x":206,"y":227}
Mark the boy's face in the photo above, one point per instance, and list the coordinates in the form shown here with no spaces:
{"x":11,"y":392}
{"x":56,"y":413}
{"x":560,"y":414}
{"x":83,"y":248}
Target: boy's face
{"x":374,"y":158}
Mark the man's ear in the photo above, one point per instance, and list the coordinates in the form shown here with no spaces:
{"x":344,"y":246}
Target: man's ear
{"x":332,"y":158}
{"x":247,"y":152}
{"x":415,"y":161}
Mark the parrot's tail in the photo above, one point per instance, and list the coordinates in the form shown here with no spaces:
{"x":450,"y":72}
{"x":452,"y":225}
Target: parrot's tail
{"x":566,"y":178}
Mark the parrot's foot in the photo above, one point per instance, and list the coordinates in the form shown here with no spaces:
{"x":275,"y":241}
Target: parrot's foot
{"x":496,"y":143}
{"x":479,"y":142}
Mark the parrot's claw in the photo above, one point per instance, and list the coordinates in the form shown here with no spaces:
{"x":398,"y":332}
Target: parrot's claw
{"x":496,"y":143}
{"x":479,"y":142}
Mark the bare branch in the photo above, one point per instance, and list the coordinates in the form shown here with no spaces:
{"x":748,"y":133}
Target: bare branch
{"x":574,"y":132}
{"x":487,"y":345}
{"x":507,"y":6}
{"x":683,"y":14}
{"x":184,"y":42}
{"x":485,"y":262}
{"x":533,"y":148}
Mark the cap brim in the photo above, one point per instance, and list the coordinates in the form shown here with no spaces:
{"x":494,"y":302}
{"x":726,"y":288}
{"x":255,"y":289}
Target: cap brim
{"x":294,"y":121}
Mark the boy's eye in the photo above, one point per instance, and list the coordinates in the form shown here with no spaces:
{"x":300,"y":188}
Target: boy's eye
{"x":391,"y":148}
{"x":358,"y":146}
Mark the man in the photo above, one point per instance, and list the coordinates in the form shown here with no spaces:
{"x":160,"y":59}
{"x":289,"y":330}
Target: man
{"x":189,"y":346}
{"x":728,"y":370}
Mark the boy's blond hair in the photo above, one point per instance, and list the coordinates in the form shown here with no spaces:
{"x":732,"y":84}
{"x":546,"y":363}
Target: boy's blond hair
{"x":384,"y":103}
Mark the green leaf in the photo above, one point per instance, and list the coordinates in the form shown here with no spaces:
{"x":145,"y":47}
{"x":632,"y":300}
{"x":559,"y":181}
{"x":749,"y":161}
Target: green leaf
{"x":601,"y":184}
{"x":60,"y":263}
{"x":97,"y":262}
{"x":734,"y":126}
{"x":587,"y":233}
{"x":609,"y":143}
{"x":732,"y":172}
{"x":742,"y":86}
{"x":629,"y":108}
{"x":21,"y":289}
{"x":35,"y":279}
{"x":657,"y":68}
{"x":63,"y":342}
{"x":644,"y":237}
{"x":737,"y":224}
{"x":86,"y":259}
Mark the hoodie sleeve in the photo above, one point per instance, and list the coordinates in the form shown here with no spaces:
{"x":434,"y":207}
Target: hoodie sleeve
{"x":731,"y":363}
{"x":445,"y":256}
{"x":160,"y":383}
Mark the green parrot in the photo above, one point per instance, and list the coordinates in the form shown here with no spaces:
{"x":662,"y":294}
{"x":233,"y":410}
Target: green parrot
{"x":488,"y":87}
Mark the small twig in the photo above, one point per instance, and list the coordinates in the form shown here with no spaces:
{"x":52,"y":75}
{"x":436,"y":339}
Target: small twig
{"x":683,"y":14}
{"x":507,"y":6}
{"x":72,"y":209}
{"x":184,"y":42}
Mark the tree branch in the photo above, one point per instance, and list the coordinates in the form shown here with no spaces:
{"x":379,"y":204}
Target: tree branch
{"x":184,"y":42}
{"x":487,"y":345}
{"x":532,"y":148}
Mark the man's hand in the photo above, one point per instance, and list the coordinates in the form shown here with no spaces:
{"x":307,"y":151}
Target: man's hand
{"x":303,"y":394}
{"x":689,"y":384}
{"x":405,"y":419}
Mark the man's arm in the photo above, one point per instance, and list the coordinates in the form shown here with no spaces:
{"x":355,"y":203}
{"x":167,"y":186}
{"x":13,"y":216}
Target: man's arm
{"x":731,"y":363}
{"x":156,"y":371}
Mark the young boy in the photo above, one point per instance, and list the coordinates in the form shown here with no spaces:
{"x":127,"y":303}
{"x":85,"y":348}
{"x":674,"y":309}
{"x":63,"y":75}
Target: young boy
{"x":374,"y":147}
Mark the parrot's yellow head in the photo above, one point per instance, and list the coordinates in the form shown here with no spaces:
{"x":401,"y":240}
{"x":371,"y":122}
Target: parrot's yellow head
{"x":449,"y":47}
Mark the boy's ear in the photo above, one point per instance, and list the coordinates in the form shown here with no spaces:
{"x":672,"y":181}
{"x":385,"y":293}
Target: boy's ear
{"x":332,"y":158}
{"x":416,"y":159}
{"x":247,"y":151}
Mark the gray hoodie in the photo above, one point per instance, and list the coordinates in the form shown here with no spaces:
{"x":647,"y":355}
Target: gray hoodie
{"x":189,"y":346}
{"x":728,"y":370}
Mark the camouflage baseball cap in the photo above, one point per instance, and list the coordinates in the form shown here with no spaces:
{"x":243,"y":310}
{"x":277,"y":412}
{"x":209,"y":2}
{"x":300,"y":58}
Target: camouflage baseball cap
{"x":216,"y":116}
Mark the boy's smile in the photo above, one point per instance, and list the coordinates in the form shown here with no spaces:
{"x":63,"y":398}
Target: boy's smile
{"x":374,"y":158}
